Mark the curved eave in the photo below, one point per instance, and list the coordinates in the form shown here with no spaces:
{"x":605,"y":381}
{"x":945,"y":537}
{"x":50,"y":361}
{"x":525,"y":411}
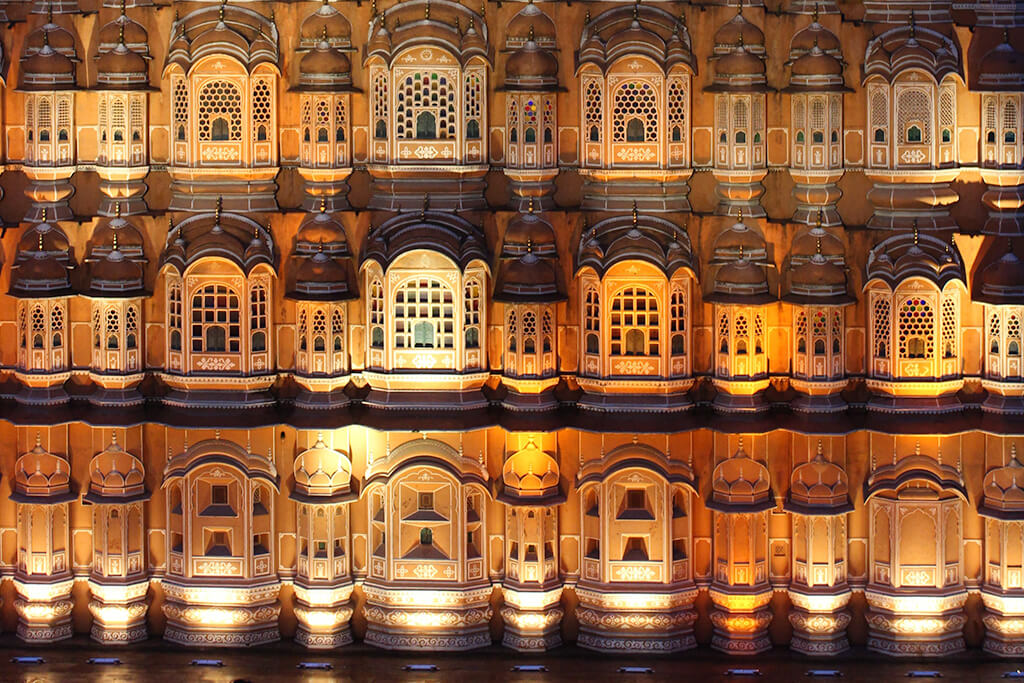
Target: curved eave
{"x":513,"y":298}
{"x":805,"y":299}
{"x":16,"y":293}
{"x":321,"y":89}
{"x":180,"y":471}
{"x":334,"y":499}
{"x":742,"y":299}
{"x":93,"y":293}
{"x":746,"y":88}
{"x":43,"y":500}
{"x":530,"y":88}
{"x":741,"y":508}
{"x":464,"y":477}
{"x":817,"y":510}
{"x":556,"y":497}
{"x":349,"y":295}
{"x":100,"y":499}
{"x":599,"y":472}
{"x":816,"y":88}
{"x":893,"y":485}
{"x":999,"y":299}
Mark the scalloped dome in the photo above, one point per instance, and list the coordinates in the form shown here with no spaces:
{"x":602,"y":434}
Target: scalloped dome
{"x":530,"y":472}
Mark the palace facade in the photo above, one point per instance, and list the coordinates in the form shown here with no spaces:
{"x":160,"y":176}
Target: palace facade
{"x":641,"y":325}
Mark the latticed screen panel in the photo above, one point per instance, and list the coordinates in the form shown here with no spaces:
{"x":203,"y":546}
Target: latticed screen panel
{"x":425,"y":107}
{"x":220,"y":112}
{"x":634,"y":323}
{"x":635,"y":113}
{"x":916,"y":328}
{"x":424,"y":315}
{"x":216,"y":320}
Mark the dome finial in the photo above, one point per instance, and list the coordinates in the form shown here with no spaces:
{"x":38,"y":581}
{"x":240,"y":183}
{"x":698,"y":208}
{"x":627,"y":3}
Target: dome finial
{"x":636,"y":10}
{"x":913,"y":25}
{"x":741,"y":253}
{"x":117,"y":210}
{"x":636,"y":214}
{"x":739,"y":215}
{"x":814,"y":15}
{"x":817,"y":222}
{"x":529,"y":206}
{"x":220,"y":12}
{"x":426,"y":206}
{"x":114,"y":245}
{"x":123,"y":4}
{"x":529,"y":245}
{"x":39,"y":242}
{"x":817,"y":246}
{"x":915,"y":232}
{"x":586,"y":16}
{"x":216,"y":213}
{"x":530,"y":35}
{"x":43,"y":216}
{"x":426,"y":10}
{"x":323,"y":204}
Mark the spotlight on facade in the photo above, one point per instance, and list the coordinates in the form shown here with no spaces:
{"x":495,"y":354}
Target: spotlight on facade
{"x":742,"y":672}
{"x":528,"y":668}
{"x":104,"y":661}
{"x":420,"y":667}
{"x":207,"y":662}
{"x":924,"y":674}
{"x":635,"y":670}
{"x":40,"y":660}
{"x":825,"y":673}
{"x":318,"y":666}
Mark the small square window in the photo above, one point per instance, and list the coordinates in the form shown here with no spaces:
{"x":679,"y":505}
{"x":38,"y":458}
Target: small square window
{"x":426,"y":500}
{"x":219,"y":494}
{"x":635,"y":499}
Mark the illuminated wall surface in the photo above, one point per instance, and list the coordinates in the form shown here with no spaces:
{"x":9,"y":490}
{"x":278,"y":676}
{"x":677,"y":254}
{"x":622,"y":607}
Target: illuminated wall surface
{"x":432,"y":324}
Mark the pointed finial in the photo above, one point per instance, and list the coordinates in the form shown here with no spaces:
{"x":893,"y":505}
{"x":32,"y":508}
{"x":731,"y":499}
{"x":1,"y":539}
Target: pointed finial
{"x":373,"y":10}
{"x":39,"y":242}
{"x":49,"y":12}
{"x":114,"y":245}
{"x":117,"y":210}
{"x":915,"y":232}
{"x":323,"y":204}
{"x":320,"y":246}
{"x":586,"y":16}
{"x":529,"y":206}
{"x":426,"y":10}
{"x":817,"y":246}
{"x":39,"y":438}
{"x":220,"y":206}
{"x":739,"y":10}
{"x":636,"y":10}
{"x":741,"y":252}
{"x":814,"y":15}
{"x":636,"y":214}
{"x":426,"y":205}
{"x":817,"y":222}
{"x":470,"y":25}
{"x":43,"y":217}
{"x":739,"y":215}
{"x":113,"y":435}
{"x":530,"y":35}
{"x":913,"y":25}
{"x":821,"y":448}
{"x":120,"y":34}
{"x":529,"y":245}
{"x":220,"y":12}
{"x":323,"y":34}
{"x":917,"y":448}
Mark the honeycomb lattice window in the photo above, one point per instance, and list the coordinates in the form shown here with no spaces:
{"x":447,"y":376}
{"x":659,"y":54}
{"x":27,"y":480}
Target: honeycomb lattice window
{"x":512,"y":121}
{"x":635,"y":113}
{"x":634,"y":323}
{"x":722,"y":117}
{"x":45,"y":120}
{"x":510,"y":330}
{"x":529,"y":332}
{"x":1013,"y":338}
{"x":37,"y":329}
{"x":424,"y":315}
{"x":723,"y":333}
{"x":989,"y":118}
{"x":425,"y":108}
{"x":262,"y":104}
{"x":97,"y":338}
{"x":678,"y":101}
{"x":949,"y":326}
{"x":340,"y":119}
{"x":220,"y":112}
{"x":63,"y":120}
{"x":801,"y":332}
{"x":592,"y":110}
{"x":914,"y":110}
{"x":118,"y":121}
{"x":319,"y":330}
{"x":835,"y":113}
{"x":879,"y":116}
{"x":546,"y":328}
{"x":742,"y":334}
{"x":216,"y":320}
{"x":1010,"y":121}
{"x":758,"y":333}
{"x":819,"y":331}
{"x":880,"y":317}
{"x":131,"y":327}
{"x":380,"y":106}
{"x":549,"y":121}
{"x":916,"y":328}
{"x":180,"y":106}
{"x":994,"y":332}
{"x":837,"y":330}
{"x":947,"y":107}
{"x":338,"y":331}
{"x":112,"y":330}
{"x":740,"y":120}
{"x":323,"y":121}
{"x":57,"y":326}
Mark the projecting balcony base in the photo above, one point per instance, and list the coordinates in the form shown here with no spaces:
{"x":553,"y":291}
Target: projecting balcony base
{"x":740,"y":396}
{"x":635,"y":395}
{"x":533,"y":619}
{"x":118,"y":611}
{"x":818,"y":396}
{"x":530,"y":395}
{"x":819,"y":622}
{"x":44,"y":609}
{"x":219,"y":392}
{"x":221,"y":615}
{"x":650,"y":190}
{"x":42,"y":389}
{"x":427,"y":619}
{"x":451,"y":187}
{"x":619,"y":621}
{"x":425,"y":391}
{"x":324,"y":613}
{"x":1004,"y":398}
{"x":740,"y":620}
{"x":1004,"y":623}
{"x":116,"y":391}
{"x":916,"y":625}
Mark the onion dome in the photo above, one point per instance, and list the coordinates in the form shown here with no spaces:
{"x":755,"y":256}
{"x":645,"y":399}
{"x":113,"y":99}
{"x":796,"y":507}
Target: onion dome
{"x":42,"y":478}
{"x":528,"y":475}
{"x":46,"y":69}
{"x":1002,"y":282}
{"x":326,"y":23}
{"x":739,"y":70}
{"x":636,"y":30}
{"x":740,"y":484}
{"x":325,"y":69}
{"x":228,"y":236}
{"x":1002,"y":69}
{"x":116,"y":476}
{"x":1003,"y":490}
{"x":116,"y":275}
{"x":646,"y":238}
{"x":443,"y":232}
{"x":322,"y":475}
{"x":122,"y":68}
{"x":907,"y":255}
{"x":233,"y":30}
{"x":818,"y":280}
{"x":817,"y":71}
{"x":739,"y":239}
{"x":530,"y":20}
{"x":739,"y":31}
{"x":444,"y":24}
{"x":42,"y":265}
{"x":528,"y":268}
{"x":740,"y":282}
{"x":322,"y":260}
{"x":818,"y":487}
{"x":531,"y":68}
{"x":129,"y":239}
{"x":811,"y":35}
{"x":57,"y":37}
{"x":912,"y":47}
{"x":124,"y":30}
